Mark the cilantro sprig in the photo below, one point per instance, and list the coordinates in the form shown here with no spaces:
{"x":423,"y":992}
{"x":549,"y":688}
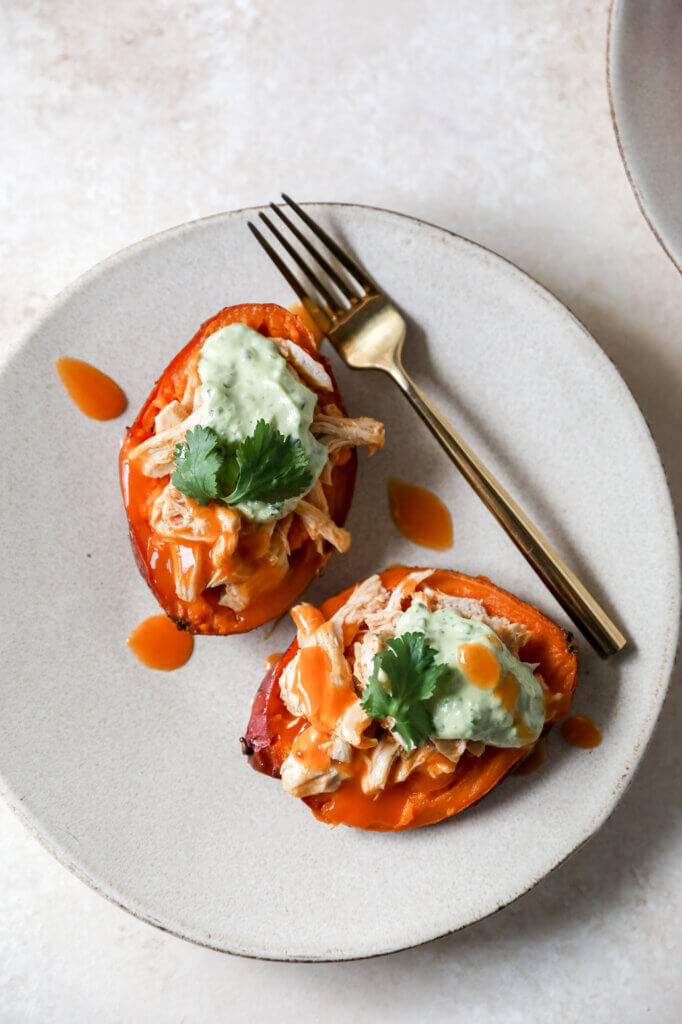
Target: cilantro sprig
{"x":200,"y":463}
{"x":409,"y":665}
{"x":266,"y":466}
{"x":270,"y":467}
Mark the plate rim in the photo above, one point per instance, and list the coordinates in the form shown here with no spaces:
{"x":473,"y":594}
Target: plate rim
{"x":107,"y":890}
{"x":629,"y":173}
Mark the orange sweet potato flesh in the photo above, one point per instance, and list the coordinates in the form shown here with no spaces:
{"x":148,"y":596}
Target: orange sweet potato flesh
{"x":152,"y":554}
{"x":419,"y":800}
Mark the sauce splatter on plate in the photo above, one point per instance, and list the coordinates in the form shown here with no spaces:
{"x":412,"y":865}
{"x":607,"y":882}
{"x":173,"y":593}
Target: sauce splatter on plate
{"x":580,"y":731}
{"x":93,"y":392}
{"x":420,"y":515}
{"x":158,"y":643}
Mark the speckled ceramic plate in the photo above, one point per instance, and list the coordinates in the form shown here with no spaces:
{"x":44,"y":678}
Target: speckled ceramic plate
{"x":135,"y":779}
{"x":645,"y":83}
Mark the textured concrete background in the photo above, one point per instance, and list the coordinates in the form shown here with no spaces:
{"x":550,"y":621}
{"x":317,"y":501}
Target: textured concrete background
{"x":490,"y":118}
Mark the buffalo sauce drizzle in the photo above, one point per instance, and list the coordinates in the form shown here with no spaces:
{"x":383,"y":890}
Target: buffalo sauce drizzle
{"x":507,"y":691}
{"x":420,"y":515}
{"x":390,"y":807}
{"x":139,"y":493}
{"x":482,"y":669}
{"x":580,"y":731}
{"x":325,"y":703}
{"x":394,"y":806}
{"x":90,"y":390}
{"x":308,"y":748}
{"x":479,"y":665}
{"x":159,"y":644}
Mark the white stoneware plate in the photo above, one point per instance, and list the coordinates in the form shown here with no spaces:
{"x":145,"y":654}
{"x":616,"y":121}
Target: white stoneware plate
{"x":644,"y":63}
{"x":134,"y":778}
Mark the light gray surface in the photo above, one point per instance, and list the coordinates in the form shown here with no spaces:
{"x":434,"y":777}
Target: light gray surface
{"x":501,"y":132}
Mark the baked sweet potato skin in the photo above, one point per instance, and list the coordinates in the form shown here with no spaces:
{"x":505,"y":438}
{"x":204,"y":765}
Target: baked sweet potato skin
{"x":205,"y":615}
{"x":418,"y":801}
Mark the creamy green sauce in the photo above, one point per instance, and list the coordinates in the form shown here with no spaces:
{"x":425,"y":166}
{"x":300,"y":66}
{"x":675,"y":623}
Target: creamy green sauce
{"x":461,"y":711}
{"x":244,"y":379}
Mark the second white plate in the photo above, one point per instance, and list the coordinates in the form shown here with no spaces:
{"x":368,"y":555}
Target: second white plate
{"x":645,"y":81}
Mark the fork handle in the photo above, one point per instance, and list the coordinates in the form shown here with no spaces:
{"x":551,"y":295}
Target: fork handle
{"x":574,"y":598}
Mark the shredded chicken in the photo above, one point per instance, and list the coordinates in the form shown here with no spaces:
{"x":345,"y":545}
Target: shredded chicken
{"x":512,"y":634}
{"x":281,"y":533}
{"x":452,"y":749}
{"x":383,"y":621}
{"x":336,"y":431}
{"x":172,"y":415}
{"x":175,"y":517}
{"x":312,"y":373}
{"x":329,"y":637}
{"x":301,"y":780}
{"x":225,"y":546}
{"x":307,"y":618}
{"x":235,"y":596}
{"x":155,"y":455}
{"x":320,"y":526}
{"x":366,"y":620}
{"x":189,"y":571}
{"x":366,"y":598}
{"x":364,"y":651}
{"x":379,"y":762}
{"x":215,"y":531}
{"x":239,"y":590}
{"x":409,"y":762}
{"x":191,"y":397}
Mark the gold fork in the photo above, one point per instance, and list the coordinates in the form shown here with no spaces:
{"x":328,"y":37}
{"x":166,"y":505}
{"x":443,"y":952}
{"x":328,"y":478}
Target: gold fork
{"x":368,"y":332}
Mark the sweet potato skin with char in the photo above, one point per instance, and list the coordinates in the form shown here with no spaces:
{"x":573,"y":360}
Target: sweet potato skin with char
{"x":206,"y":615}
{"x":416,"y":802}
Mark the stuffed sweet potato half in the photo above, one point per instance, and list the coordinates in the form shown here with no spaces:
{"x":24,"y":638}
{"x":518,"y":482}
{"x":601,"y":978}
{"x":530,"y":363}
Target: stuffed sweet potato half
{"x":238,"y":473}
{"x":407,"y":698}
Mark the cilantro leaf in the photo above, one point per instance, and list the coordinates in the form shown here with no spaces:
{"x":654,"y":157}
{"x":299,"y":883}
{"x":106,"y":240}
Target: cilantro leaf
{"x":267,"y":467}
{"x":409,"y":664}
{"x":199,"y":460}
{"x":271,"y":467}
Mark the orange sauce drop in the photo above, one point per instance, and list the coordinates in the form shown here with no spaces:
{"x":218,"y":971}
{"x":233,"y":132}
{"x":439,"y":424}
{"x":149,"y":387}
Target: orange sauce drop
{"x":325,"y":703}
{"x":420,"y":515}
{"x":581,"y":731}
{"x":523,"y":731}
{"x":507,"y":691}
{"x":158,"y":643}
{"x":306,"y":747}
{"x":535,"y":759}
{"x":307,"y":618}
{"x":272,"y":659}
{"x":95,"y":394}
{"x":479,"y":665}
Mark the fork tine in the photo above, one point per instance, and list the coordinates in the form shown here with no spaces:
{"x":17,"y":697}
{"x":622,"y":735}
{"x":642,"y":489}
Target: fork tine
{"x":300,"y":263}
{"x":279,"y":263}
{"x":320,"y":318}
{"x":326,"y":266}
{"x":344,"y":259}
